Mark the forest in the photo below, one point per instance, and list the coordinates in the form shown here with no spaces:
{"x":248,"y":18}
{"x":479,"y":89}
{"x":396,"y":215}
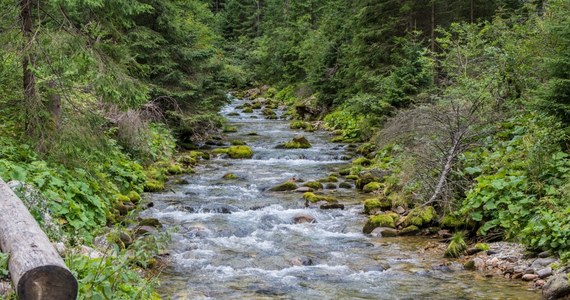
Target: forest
{"x":465,"y":102}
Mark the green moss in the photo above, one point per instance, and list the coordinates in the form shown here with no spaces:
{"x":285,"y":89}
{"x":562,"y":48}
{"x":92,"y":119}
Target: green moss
{"x":239,"y":152}
{"x":186,"y":160}
{"x":451,"y":221}
{"x":410,"y":230}
{"x":134,"y":197}
{"x":366,"y":149}
{"x":338,"y":139}
{"x":344,"y":172}
{"x":286,"y":186}
{"x":229,"y":129}
{"x":420,"y":216}
{"x":247,"y":110}
{"x":352,"y":177}
{"x":482,"y":246}
{"x":238,"y":143}
{"x":312,"y":197}
{"x":456,"y":247}
{"x":329,"y":179}
{"x":122,"y":198}
{"x":376,"y":203}
{"x":233,"y":114}
{"x":299,"y":142}
{"x":398,"y":199}
{"x":199,"y":154}
{"x":221,"y":151}
{"x":174,"y":169}
{"x":267,"y":111}
{"x":313,"y":184}
{"x":230,"y":176}
{"x":383,"y":220}
{"x":153,"y":185}
{"x":372,"y":187}
{"x":302,"y":125}
{"x":362,"y":161}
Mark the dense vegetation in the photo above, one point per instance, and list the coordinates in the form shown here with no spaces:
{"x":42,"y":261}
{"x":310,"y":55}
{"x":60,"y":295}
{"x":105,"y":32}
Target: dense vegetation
{"x":468,"y":102}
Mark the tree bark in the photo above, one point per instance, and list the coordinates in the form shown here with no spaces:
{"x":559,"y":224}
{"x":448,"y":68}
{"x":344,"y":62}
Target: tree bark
{"x":37,"y":270}
{"x":27,"y":65}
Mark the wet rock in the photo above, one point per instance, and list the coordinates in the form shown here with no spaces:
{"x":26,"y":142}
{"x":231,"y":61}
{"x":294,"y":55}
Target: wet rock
{"x":313,"y":198}
{"x":479,"y":264}
{"x":410,"y":230}
{"x":545,"y":254}
{"x":330,"y":186}
{"x":332,"y":206}
{"x":286,"y":186}
{"x":302,"y":261}
{"x":383,"y":220}
{"x":345,"y":185}
{"x":372,"y":187}
{"x":304,"y":189}
{"x":298,"y":142}
{"x":444,"y":234}
{"x":313,"y":184}
{"x":153,"y":222}
{"x":529,"y":277}
{"x":539,"y":284}
{"x":230,"y":176}
{"x":384,"y":232}
{"x":471,"y":251}
{"x":145,"y":230}
{"x":381,"y":203}
{"x":556,"y":287}
{"x":239,"y":152}
{"x":220,"y":208}
{"x":543,"y":273}
{"x":304,"y":218}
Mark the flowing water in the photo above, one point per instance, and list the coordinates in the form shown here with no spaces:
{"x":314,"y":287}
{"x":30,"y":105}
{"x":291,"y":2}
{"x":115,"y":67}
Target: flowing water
{"x":235,"y":240}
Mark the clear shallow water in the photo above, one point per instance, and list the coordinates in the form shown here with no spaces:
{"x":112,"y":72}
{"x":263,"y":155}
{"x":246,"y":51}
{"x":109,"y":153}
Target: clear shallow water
{"x":234,"y":240}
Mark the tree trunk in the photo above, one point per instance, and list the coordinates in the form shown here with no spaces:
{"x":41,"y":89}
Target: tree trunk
{"x":433,"y":26}
{"x":451,"y":155}
{"x":27,"y":65}
{"x":37,"y":270}
{"x":54,"y":105}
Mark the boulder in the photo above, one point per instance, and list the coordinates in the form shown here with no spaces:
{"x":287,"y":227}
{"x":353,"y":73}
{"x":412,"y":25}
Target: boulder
{"x":332,"y":206}
{"x":556,"y":287}
{"x":286,"y":186}
{"x":304,"y":218}
{"x":376,"y":204}
{"x":312,"y":197}
{"x":313,"y":184}
{"x":543,"y":273}
{"x":296,"y":143}
{"x":372,"y":187}
{"x":383,"y":220}
{"x":239,"y":152}
{"x":420,"y":216}
{"x":529,"y":277}
{"x":345,"y":185}
{"x":230,"y":176}
{"x":384,"y":232}
{"x":410,"y":230}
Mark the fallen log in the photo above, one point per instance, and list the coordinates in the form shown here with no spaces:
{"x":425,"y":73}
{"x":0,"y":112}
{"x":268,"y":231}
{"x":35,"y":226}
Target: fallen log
{"x":37,"y":270}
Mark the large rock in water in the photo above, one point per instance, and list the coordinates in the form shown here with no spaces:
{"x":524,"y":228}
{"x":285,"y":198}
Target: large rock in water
{"x":238,"y":152}
{"x":296,"y":143}
{"x":557,"y":287}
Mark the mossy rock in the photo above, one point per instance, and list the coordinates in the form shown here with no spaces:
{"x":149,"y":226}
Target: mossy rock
{"x":482,"y":246}
{"x":228,"y":129}
{"x":267,"y":112}
{"x":312,"y":197}
{"x":302,"y":125}
{"x":338,"y":139}
{"x":239,"y":152}
{"x":252,"y":133}
{"x":175,"y":169}
{"x":331,"y":186}
{"x":298,"y":142}
{"x":352,"y":177}
{"x":398,"y":199}
{"x":230,"y":176}
{"x":121,"y":198}
{"x":362,"y":161}
{"x":153,"y":185}
{"x":152,"y":222}
{"x":382,"y":204}
{"x":329,"y":179}
{"x":238,"y":143}
{"x":134,"y":197}
{"x":314,"y":185}
{"x":451,"y":221}
{"x":256,"y":105}
{"x":186,"y":160}
{"x":456,"y":247}
{"x":345,"y":185}
{"x":420,"y":216}
{"x":372,"y":187}
{"x":247,"y":110}
{"x":233,"y":114}
{"x":344,"y":172}
{"x":383,"y":220}
{"x":200,"y":154}
{"x":221,"y":151}
{"x":286,"y":186}
{"x":410,"y":230}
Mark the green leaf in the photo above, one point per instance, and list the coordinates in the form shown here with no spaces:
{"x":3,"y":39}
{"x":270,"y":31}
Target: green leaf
{"x":476,"y":216}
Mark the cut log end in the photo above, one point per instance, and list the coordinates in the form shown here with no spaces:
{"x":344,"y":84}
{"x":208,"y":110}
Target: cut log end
{"x":46,"y":283}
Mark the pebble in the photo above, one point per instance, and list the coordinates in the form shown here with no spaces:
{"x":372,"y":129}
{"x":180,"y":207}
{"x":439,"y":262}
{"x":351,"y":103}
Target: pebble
{"x":529,"y":277}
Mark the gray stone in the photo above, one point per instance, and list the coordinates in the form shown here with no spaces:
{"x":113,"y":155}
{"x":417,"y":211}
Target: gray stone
{"x":384,"y":232}
{"x":545,"y":254}
{"x":303,"y":218}
{"x":543,"y":273}
{"x":304,"y":189}
{"x":400,"y":210}
{"x":345,"y":185}
{"x":556,"y":287}
{"x":541,"y":263}
{"x":332,"y":206}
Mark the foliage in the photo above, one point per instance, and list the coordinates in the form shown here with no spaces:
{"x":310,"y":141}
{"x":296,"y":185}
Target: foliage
{"x":457,"y":246}
{"x":520,"y":183}
{"x":4,"y":264}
